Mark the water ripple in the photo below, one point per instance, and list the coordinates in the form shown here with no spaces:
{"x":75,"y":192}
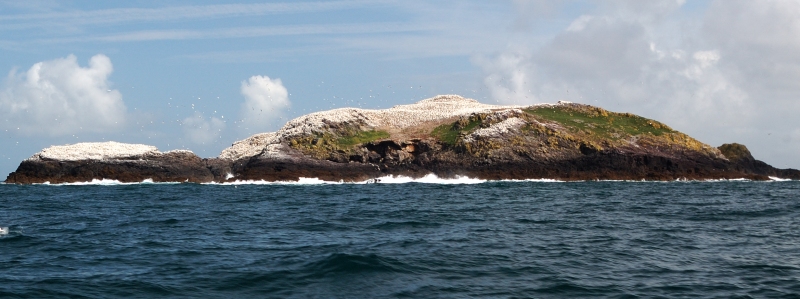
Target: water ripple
{"x":497,"y":239}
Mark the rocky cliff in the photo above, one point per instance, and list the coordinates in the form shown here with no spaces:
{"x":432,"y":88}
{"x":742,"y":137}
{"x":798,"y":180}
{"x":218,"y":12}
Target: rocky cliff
{"x":445,"y":135}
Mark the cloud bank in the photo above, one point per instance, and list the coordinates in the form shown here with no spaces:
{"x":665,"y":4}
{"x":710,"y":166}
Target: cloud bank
{"x":727,"y":75}
{"x":59,"y":97}
{"x":264,"y":101}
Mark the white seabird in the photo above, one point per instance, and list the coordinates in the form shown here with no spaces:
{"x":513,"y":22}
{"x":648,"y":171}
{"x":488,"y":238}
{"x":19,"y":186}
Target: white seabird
{"x":4,"y":230}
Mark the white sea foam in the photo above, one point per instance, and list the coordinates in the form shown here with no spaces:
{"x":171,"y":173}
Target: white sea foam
{"x":301,"y":181}
{"x":429,"y":179}
{"x":533,"y":180}
{"x":777,"y":179}
{"x":102,"y":182}
{"x":433,"y":179}
{"x":723,"y":180}
{"x":106,"y":182}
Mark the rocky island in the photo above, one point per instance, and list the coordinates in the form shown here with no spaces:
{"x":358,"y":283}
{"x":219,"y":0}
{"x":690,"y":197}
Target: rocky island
{"x":447,"y":136}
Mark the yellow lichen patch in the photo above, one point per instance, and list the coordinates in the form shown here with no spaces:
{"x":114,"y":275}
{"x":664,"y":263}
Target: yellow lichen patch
{"x":735,"y":152}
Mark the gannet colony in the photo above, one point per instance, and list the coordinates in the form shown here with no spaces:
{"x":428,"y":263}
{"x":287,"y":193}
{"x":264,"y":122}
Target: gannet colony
{"x":446,"y":136}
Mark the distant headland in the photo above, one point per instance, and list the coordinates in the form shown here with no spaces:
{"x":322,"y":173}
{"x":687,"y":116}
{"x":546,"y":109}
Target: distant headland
{"x":446,"y":135}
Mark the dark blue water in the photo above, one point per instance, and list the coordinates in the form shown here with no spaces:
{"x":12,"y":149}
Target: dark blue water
{"x":490,"y":240}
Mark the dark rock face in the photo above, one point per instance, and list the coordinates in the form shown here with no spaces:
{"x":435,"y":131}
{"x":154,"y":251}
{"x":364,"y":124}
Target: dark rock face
{"x":564,"y":142}
{"x":580,"y":165}
{"x":415,"y":158}
{"x":742,"y":160}
{"x":168,"y":167}
{"x":292,"y":165}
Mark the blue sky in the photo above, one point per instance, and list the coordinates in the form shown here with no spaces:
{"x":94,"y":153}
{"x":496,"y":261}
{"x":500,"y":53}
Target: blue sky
{"x":200,"y":75}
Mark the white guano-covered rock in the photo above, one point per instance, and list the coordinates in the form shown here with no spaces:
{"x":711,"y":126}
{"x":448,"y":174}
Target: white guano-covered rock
{"x":401,"y":116}
{"x":503,"y":128}
{"x":398,"y":117}
{"x":95,"y":151}
{"x":249,"y":147}
{"x":275,"y":151}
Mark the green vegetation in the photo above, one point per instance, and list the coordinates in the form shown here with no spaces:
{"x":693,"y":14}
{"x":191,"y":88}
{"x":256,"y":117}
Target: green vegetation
{"x":564,"y":126}
{"x":321,"y":146}
{"x":599,"y":122}
{"x":448,"y":133}
{"x":549,"y":130}
{"x":360,"y":137}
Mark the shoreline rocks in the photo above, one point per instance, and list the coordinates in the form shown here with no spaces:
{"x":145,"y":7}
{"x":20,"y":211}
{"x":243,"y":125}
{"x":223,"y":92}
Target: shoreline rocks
{"x":447,"y":136}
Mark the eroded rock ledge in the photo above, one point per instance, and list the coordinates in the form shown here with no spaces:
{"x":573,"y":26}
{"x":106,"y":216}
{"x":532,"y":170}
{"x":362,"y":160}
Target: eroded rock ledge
{"x":445,"y":135}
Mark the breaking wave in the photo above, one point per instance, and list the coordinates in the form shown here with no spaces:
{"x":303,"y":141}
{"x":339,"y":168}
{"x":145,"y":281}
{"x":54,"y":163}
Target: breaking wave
{"x":427,"y":179}
{"x":493,"y":239}
{"x":106,"y":182}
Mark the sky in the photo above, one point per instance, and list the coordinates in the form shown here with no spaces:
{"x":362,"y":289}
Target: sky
{"x":200,"y":75}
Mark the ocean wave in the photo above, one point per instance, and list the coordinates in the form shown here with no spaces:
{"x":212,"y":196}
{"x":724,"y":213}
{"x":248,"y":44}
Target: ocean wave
{"x":106,"y":182}
{"x":391,"y":225}
{"x":300,"y":181}
{"x":722,"y":180}
{"x":771,"y":179}
{"x":389,"y":179}
{"x":343,"y":264}
{"x":777,"y":179}
{"x":428,"y":179}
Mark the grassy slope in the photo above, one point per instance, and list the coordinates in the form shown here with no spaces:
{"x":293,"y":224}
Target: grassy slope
{"x":345,"y":141}
{"x":582,"y":124}
{"x":600,"y":123}
{"x":449,"y":133}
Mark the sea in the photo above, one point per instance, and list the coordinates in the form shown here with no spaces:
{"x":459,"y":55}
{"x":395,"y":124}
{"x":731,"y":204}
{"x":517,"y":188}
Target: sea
{"x":402,"y":238}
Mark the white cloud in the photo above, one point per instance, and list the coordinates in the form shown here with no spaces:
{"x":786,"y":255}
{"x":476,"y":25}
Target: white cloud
{"x":264,"y":100}
{"x":760,"y":52}
{"x":760,"y":40}
{"x":510,"y":77}
{"x":579,"y":23}
{"x":617,"y":61}
{"x":201,"y":130}
{"x":728,"y":76}
{"x":60,"y":97}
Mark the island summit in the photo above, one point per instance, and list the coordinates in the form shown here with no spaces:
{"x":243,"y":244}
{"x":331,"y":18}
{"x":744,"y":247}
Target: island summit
{"x":446,"y":135}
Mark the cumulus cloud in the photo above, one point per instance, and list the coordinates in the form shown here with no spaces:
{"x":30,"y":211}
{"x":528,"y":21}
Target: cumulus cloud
{"x":510,"y":78}
{"x":202,"y":130}
{"x":624,"y":63}
{"x":264,"y":101}
{"x":59,"y":97}
{"x":728,"y":76}
{"x":760,"y":41}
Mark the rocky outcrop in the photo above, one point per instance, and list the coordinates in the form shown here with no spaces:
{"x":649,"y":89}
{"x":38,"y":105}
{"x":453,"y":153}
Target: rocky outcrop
{"x":445,"y":135}
{"x":742,"y":160}
{"x":110,"y":160}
